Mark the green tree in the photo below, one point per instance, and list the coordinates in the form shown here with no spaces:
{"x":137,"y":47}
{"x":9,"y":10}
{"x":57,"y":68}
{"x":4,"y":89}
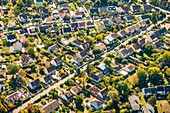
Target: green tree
{"x":114,"y":96}
{"x":148,"y":48}
{"x":78,"y":100}
{"x":166,"y":57}
{"x":31,"y":51}
{"x":97,"y":51}
{"x":107,"y":61}
{"x":167,"y":72}
{"x":152,"y":100}
{"x":13,"y":68}
{"x":155,"y":75}
{"x":142,"y":75}
{"x":122,"y":86}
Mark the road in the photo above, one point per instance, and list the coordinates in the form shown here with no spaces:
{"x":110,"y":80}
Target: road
{"x":24,"y":105}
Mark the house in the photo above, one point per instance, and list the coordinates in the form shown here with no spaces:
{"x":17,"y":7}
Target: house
{"x":129,"y":18}
{"x":48,"y":20}
{"x":78,"y":58}
{"x":122,"y":33}
{"x":101,"y":27}
{"x":48,"y":108}
{"x":14,"y":97}
{"x":66,"y":18}
{"x":68,"y":96}
{"x":104,"y":94}
{"x":64,"y":7}
{"x":136,"y":8}
{"x":54,"y":30}
{"x":97,"y":77}
{"x":44,"y":12}
{"x":167,"y":89}
{"x":3,"y":77}
{"x":126,"y":9}
{"x":66,"y":30}
{"x":17,"y":46}
{"x":147,"y":8}
{"x":110,"y":38}
{"x":103,"y":10}
{"x":34,"y":84}
{"x":11,"y":24}
{"x":136,"y":47}
{"x":10,"y":38}
{"x":111,"y":9}
{"x":23,"y":18}
{"x":81,"y":45}
{"x":76,"y":90}
{"x":55,"y":14}
{"x":50,"y":70}
{"x":117,"y":68}
{"x":90,"y":24}
{"x":36,"y":18}
{"x":149,"y":91}
{"x":108,"y":22}
{"x":123,"y":53}
{"x":32,"y":31}
{"x":147,"y":108}
{"x":79,"y":15}
{"x":54,"y":48}
{"x":142,"y":42}
{"x":81,"y":25}
{"x":132,"y":29}
{"x":47,"y":79}
{"x":104,"y":69}
{"x":130,"y":68}
{"x":95,"y":104}
{"x":118,"y":20}
{"x":93,"y":11}
{"x":161,"y":90}
{"x":94,"y":90}
{"x":124,"y":73}
{"x":101,"y":46}
{"x":120,"y":10}
{"x":38,"y":2}
{"x":74,"y":26}
{"x":157,"y":44}
{"x":56,"y":62}
{"x":144,"y":17}
{"x":43,"y":29}
{"x":137,"y":26}
{"x":134,"y":102}
{"x":130,"y":50}
{"x":25,"y":59}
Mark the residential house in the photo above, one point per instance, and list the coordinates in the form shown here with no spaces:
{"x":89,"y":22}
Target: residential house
{"x":136,"y":8}
{"x":48,"y":20}
{"x":126,"y":9}
{"x":104,"y":69}
{"x":23,"y":18}
{"x":157,"y":44}
{"x":95,"y":104}
{"x":108,"y":23}
{"x":147,"y":8}
{"x":142,"y":42}
{"x":149,"y":91}
{"x":17,"y":46}
{"x":14,"y":97}
{"x":93,"y":11}
{"x":129,"y":18}
{"x":90,"y":24}
{"x":130,"y":68}
{"x":81,"y":45}
{"x":143,"y":24}
{"x":132,"y":29}
{"x":101,"y":46}
{"x":32,"y":31}
{"x":144,"y":17}
{"x":110,"y":38}
{"x":97,"y":77}
{"x":55,"y":14}
{"x":64,"y":7}
{"x":68,"y":96}
{"x":103,"y":10}
{"x":117,"y":68}
{"x":118,"y":20}
{"x":47,"y":79}
{"x":54,"y":48}
{"x":122,"y":33}
{"x":79,"y":15}
{"x":94,"y":90}
{"x":66,"y":18}
{"x":124,"y":73}
{"x":10,"y":38}
{"x":50,"y":70}
{"x":54,"y":104}
{"x":3,"y":77}
{"x":43,"y":29}
{"x":120,"y":10}
{"x":136,"y":47}
{"x":78,"y":58}
{"x":161,"y":90}
{"x":36,"y":18}
{"x":66,"y":30}
{"x":74,"y":26}
{"x":147,"y":108}
{"x":81,"y":25}
{"x":44,"y":12}
{"x":111,"y":9}
{"x":25,"y":59}
{"x":38,"y":2}
{"x":34,"y":84}
{"x":104,"y":94}
{"x":11,"y":24}
{"x":137,"y":26}
{"x":56,"y":62}
{"x":76,"y":90}
{"x":134,"y":102}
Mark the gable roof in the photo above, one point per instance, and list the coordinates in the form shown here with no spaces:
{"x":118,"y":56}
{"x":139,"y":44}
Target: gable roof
{"x":68,"y":94}
{"x":51,"y":106}
{"x":97,"y":76}
{"x":134,"y":102}
{"x":35,"y":83}
{"x":51,"y":68}
{"x":76,"y":89}
{"x":47,"y":78}
{"x":11,"y":37}
{"x":94,"y":89}
{"x":126,"y":9}
{"x":104,"y":92}
{"x":147,"y":108}
{"x":96,"y":103}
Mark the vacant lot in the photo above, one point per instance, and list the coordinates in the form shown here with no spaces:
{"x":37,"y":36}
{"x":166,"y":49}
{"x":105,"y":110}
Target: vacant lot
{"x":163,"y":106}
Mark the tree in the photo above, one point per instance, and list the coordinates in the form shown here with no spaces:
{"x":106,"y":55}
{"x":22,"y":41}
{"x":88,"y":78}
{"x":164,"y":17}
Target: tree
{"x":113,"y":95}
{"x":2,"y":109}
{"x":97,"y":51}
{"x":100,"y":36}
{"x":155,"y":75}
{"x":31,"y":51}
{"x":13,"y":68}
{"x":142,"y":75}
{"x":148,"y":48}
{"x":166,"y":57}
{"x":78,"y":100}
{"x":152,"y":100}
{"x":122,"y":86}
{"x":167,"y":72}
{"x":107,"y":61}
{"x":10,"y":105}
